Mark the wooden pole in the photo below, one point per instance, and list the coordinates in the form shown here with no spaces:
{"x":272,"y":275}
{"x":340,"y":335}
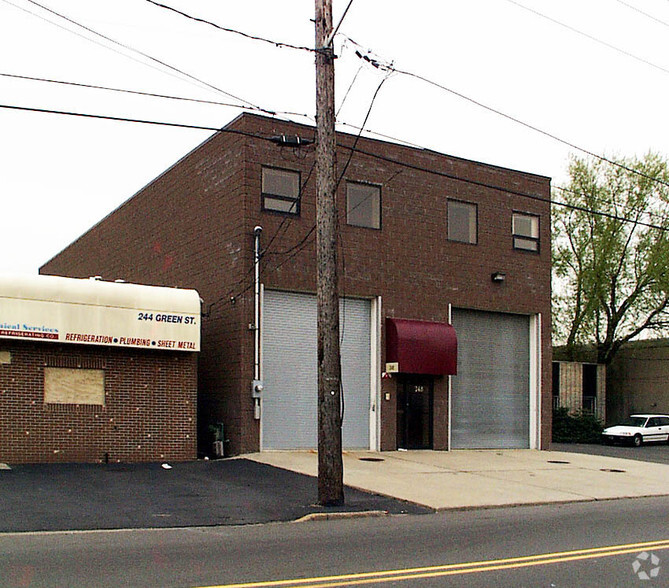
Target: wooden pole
{"x":330,"y":466}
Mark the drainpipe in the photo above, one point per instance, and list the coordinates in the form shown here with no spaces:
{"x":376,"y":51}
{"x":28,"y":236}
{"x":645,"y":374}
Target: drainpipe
{"x":256,"y":385}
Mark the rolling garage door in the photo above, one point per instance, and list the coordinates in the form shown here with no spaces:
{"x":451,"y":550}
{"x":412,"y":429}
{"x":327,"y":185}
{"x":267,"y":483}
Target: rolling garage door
{"x":490,"y":396}
{"x":289,"y":415}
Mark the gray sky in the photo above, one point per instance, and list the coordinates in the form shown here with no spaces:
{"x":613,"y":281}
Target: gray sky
{"x":593,"y":73}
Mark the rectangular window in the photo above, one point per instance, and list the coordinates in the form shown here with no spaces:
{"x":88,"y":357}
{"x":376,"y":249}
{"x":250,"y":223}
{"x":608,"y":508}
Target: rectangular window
{"x":74,"y":386}
{"x":462,"y":222}
{"x":363,"y":205}
{"x":525,"y":232}
{"x":281,"y":190}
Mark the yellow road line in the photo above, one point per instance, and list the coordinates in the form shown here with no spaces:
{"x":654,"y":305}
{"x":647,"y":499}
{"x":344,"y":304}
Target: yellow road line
{"x":453,"y":569}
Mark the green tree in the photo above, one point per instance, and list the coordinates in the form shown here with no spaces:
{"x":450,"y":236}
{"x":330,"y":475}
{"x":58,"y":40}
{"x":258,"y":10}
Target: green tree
{"x":611,"y":253}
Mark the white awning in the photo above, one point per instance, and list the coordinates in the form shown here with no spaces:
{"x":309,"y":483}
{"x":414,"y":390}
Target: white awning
{"x":91,"y":311}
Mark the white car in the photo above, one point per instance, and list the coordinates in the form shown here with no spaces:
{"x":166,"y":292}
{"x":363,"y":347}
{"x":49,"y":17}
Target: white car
{"x":638,"y":429}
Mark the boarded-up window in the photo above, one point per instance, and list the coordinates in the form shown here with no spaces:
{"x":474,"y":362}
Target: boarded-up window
{"x":74,"y":386}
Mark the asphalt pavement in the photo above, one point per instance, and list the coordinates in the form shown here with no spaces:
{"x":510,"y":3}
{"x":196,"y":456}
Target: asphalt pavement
{"x":650,"y":452}
{"x":58,"y":497}
{"x":282,"y":486}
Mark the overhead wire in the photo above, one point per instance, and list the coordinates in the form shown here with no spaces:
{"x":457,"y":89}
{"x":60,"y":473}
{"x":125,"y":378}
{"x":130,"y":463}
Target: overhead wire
{"x":341,"y":105}
{"x":300,"y":245}
{"x":109,"y":117}
{"x":356,"y":149}
{"x":482,"y":184}
{"x":334,"y":32}
{"x":590,"y":37}
{"x":378,"y":65}
{"x":650,"y":16}
{"x":183,"y":73}
{"x":120,"y":90}
{"x":142,"y":93}
{"x":95,"y":42}
{"x":217,"y":129}
{"x":295,"y":250}
{"x":390,"y":67}
{"x":373,"y":62}
{"x":229,"y":30}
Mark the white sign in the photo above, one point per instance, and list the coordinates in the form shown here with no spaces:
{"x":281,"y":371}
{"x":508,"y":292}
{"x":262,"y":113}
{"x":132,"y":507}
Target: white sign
{"x":97,"y":320}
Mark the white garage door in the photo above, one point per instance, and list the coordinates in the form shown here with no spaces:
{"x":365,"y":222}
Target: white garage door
{"x":490,"y":396}
{"x":289,"y":415}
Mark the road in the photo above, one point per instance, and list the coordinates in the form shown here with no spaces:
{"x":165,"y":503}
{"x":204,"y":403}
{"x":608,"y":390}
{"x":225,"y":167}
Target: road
{"x":463,"y":548}
{"x":653,"y":452}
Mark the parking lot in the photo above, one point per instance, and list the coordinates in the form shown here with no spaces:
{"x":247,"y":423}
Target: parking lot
{"x":651,"y":452}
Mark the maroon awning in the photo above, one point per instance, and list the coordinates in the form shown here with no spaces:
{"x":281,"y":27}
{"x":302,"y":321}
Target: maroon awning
{"x":421,"y":347}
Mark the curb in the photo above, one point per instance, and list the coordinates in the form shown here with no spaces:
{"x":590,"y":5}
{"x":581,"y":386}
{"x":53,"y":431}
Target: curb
{"x":329,"y":516}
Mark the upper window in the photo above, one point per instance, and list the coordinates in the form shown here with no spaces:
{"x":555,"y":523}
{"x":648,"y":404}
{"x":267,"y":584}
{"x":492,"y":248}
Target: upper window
{"x":363,"y":205}
{"x":280,"y":190}
{"x":525,"y":232}
{"x":462,"y":222}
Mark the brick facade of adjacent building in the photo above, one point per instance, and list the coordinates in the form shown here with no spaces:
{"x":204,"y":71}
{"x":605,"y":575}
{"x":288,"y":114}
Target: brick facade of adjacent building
{"x":149,"y":410}
{"x":193,"y":227}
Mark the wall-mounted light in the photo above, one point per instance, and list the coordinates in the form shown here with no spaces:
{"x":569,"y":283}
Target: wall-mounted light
{"x":498,"y":277}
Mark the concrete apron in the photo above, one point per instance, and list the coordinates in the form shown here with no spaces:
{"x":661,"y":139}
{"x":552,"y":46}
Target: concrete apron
{"x":486,"y":478}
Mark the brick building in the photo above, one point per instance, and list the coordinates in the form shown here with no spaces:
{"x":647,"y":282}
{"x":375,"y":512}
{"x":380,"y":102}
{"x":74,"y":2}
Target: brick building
{"x":433,"y":249}
{"x":96,"y":372}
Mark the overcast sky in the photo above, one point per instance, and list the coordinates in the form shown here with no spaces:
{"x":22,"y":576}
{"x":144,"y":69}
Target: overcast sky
{"x":593,"y":73}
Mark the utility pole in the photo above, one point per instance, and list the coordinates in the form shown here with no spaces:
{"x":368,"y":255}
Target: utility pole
{"x":330,"y":466}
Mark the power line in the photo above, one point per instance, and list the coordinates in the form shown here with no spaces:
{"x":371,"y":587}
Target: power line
{"x":375,"y":63}
{"x":139,"y":93}
{"x":341,"y":176}
{"x":90,"y":40}
{"x":334,"y":32}
{"x":355,"y":77}
{"x":228,"y":30}
{"x":113,"y":118}
{"x":146,"y":55}
{"x":354,"y":149}
{"x":498,"y":188}
{"x":590,"y":37}
{"x":138,"y":120}
{"x":608,"y":215}
{"x":293,"y":251}
{"x":298,"y":247}
{"x":662,"y":22}
{"x":390,"y":67}
{"x":121,"y":90}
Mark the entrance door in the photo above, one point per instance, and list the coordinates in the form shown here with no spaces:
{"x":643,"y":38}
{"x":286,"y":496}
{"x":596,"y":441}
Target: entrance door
{"x":414,"y":413}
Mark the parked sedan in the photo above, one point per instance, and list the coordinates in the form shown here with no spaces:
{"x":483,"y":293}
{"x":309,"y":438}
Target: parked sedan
{"x":638,"y":429}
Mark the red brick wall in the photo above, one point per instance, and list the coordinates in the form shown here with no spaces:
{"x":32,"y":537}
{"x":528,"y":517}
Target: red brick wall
{"x":149,"y":412}
{"x":410,"y":263}
{"x":187,"y":229}
{"x":193,"y":227}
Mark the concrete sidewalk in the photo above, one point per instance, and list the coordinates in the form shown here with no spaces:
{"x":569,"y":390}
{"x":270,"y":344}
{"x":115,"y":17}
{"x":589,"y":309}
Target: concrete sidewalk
{"x":474,"y":479}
